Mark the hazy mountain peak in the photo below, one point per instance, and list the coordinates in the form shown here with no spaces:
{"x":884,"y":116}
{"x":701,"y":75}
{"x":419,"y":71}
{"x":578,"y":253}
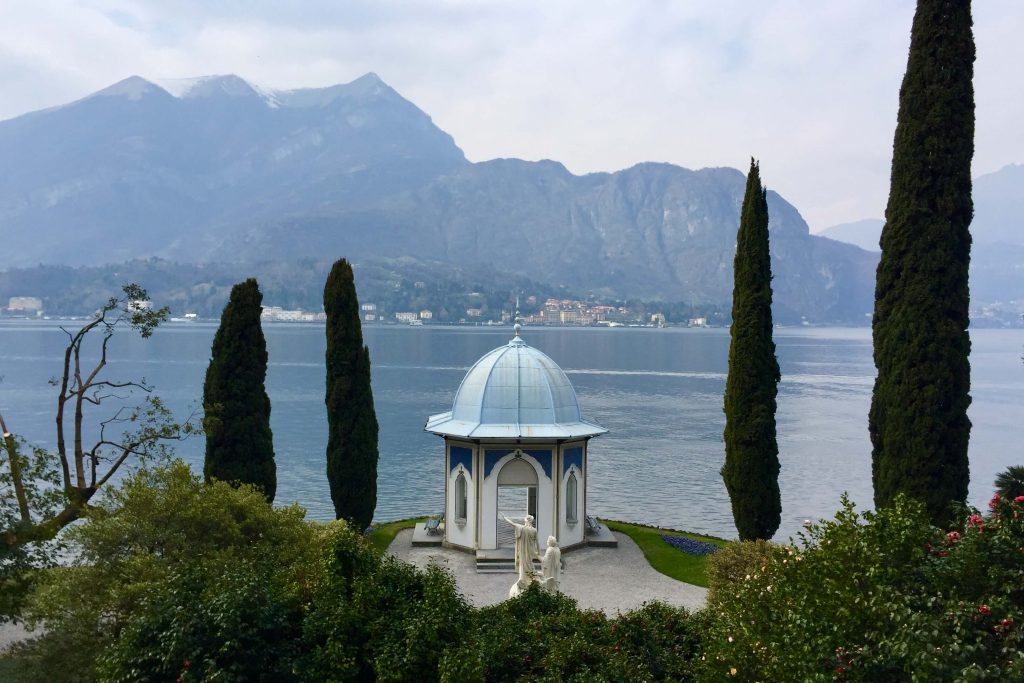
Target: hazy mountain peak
{"x":133,"y":88}
{"x":209,"y":87}
{"x":368,"y":79}
{"x":863,"y":233}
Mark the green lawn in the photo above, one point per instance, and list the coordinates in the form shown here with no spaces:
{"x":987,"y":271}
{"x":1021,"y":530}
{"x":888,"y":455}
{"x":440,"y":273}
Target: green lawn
{"x":663,"y":557}
{"x":380,"y":538}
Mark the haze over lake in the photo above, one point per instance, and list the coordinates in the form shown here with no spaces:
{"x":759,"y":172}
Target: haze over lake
{"x":659,"y":392}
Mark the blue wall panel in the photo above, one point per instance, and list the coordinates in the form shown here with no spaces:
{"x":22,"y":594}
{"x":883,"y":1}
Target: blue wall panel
{"x":457,"y":455}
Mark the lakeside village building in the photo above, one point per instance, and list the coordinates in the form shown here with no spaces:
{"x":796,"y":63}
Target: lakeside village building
{"x":515,"y":443}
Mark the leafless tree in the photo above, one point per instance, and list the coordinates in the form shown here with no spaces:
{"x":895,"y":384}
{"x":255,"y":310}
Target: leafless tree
{"x":51,"y":490}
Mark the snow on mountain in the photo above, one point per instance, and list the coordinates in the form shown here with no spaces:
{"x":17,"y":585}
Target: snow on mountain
{"x":210,"y":86}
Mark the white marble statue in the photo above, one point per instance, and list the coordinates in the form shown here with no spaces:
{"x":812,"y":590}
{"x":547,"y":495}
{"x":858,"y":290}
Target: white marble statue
{"x":526,"y":551}
{"x":551,"y":566}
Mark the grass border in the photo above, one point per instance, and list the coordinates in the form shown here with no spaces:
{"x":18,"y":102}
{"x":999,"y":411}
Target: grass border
{"x":664,"y":558}
{"x":384,"y":533}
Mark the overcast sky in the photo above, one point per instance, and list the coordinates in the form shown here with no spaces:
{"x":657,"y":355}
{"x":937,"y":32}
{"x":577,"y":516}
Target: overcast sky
{"x":809,"y":87}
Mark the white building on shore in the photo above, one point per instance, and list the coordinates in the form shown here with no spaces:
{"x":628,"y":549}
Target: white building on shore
{"x":515,"y":444}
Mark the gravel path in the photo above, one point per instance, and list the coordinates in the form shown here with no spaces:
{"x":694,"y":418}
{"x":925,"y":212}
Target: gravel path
{"x":611,"y":579}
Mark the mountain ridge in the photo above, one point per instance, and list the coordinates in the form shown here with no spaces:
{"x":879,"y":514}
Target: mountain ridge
{"x":225,"y":171}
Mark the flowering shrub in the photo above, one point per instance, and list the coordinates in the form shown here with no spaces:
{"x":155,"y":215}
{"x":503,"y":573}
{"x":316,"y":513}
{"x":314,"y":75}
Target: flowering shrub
{"x":880,"y":596}
{"x":734,"y":564}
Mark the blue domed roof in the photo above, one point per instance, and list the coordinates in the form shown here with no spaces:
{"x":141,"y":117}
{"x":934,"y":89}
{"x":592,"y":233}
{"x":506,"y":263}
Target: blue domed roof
{"x":517,"y":392}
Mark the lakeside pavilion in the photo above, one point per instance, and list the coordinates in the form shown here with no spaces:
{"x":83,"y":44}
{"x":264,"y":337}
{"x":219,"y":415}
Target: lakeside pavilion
{"x":515,"y":443}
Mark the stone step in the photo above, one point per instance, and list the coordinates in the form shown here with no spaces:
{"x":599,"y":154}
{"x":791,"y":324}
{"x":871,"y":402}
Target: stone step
{"x":498,"y":565}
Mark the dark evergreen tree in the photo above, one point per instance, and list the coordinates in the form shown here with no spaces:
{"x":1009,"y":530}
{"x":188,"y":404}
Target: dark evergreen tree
{"x":751,"y":469}
{"x":918,"y":420}
{"x":239,"y":443}
{"x":352,"y":421}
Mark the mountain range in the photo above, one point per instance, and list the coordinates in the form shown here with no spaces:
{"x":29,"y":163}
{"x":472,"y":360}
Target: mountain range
{"x":997,"y":231}
{"x":215,"y":170}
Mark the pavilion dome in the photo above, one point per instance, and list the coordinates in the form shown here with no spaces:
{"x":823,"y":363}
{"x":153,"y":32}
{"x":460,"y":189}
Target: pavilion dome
{"x":516,"y":392}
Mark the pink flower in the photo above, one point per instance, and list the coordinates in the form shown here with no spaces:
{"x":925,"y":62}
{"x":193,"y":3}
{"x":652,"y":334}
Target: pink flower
{"x":975,"y":520}
{"x":1019,"y":499}
{"x":983,"y":610}
{"x":994,"y":502}
{"x":953,"y":536}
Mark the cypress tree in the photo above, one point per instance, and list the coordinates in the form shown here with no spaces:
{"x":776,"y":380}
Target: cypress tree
{"x":751,"y":470}
{"x":352,"y":422}
{"x":239,"y":443}
{"x":918,"y":420}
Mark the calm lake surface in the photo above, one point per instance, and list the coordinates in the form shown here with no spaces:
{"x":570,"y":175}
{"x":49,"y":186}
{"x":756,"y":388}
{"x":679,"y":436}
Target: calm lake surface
{"x":659,"y":392}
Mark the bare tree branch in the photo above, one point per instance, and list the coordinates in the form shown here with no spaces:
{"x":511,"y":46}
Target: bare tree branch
{"x":19,"y":485}
{"x":109,"y":453}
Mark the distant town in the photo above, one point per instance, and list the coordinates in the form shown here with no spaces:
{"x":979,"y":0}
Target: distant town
{"x":552,"y":312}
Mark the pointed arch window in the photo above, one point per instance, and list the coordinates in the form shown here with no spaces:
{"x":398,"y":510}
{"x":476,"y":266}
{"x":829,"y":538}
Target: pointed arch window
{"x":571,"y":491}
{"x":461,"y":497}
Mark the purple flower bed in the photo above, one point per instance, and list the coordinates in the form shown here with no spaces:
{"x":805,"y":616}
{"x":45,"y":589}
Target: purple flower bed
{"x":690,"y":546}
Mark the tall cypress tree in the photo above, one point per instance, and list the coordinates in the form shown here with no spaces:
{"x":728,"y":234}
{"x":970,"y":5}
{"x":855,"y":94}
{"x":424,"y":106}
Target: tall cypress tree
{"x":352,"y":422}
{"x":239,"y":443}
{"x":751,"y":470}
{"x":918,"y":420}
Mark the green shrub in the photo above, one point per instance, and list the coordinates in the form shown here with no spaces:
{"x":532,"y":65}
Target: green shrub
{"x":210,"y":621}
{"x":543,"y":637}
{"x":379,"y":619}
{"x":160,"y":525}
{"x":879,"y":596}
{"x":734,"y":562}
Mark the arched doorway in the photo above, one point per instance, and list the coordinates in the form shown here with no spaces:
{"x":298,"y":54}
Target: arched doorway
{"x":517,"y":497}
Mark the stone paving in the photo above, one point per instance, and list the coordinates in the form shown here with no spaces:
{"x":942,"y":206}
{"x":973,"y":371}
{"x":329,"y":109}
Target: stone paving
{"x":611,"y":579}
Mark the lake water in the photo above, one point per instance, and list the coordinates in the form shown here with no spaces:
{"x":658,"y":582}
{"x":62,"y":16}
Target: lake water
{"x":659,"y":392}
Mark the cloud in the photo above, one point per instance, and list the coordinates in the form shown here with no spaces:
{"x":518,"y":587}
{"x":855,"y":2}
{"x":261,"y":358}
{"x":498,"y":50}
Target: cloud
{"x":809,"y":88}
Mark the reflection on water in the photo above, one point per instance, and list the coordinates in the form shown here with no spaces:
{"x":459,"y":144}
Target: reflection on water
{"x":659,"y":392}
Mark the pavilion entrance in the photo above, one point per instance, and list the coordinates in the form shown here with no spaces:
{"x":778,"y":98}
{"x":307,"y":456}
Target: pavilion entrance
{"x":517,"y":497}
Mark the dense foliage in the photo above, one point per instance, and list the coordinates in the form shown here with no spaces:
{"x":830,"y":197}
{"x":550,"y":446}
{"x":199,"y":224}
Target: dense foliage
{"x":751,"y":470}
{"x":729,"y":565}
{"x":239,"y":443}
{"x":178,"y":579}
{"x":879,"y":597}
{"x":918,"y":419}
{"x":163,"y":531}
{"x":352,"y":450}
{"x":544,"y":637}
{"x":181,"y":579}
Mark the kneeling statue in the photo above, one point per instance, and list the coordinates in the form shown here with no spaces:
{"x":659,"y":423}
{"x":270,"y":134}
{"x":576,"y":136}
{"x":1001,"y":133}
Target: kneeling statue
{"x":551,"y":566}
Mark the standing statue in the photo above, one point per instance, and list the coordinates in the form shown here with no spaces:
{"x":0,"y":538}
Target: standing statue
{"x":551,"y":566}
{"x":526,"y":551}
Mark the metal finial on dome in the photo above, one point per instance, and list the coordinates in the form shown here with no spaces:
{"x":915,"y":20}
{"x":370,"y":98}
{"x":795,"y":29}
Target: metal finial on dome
{"x":518,"y":327}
